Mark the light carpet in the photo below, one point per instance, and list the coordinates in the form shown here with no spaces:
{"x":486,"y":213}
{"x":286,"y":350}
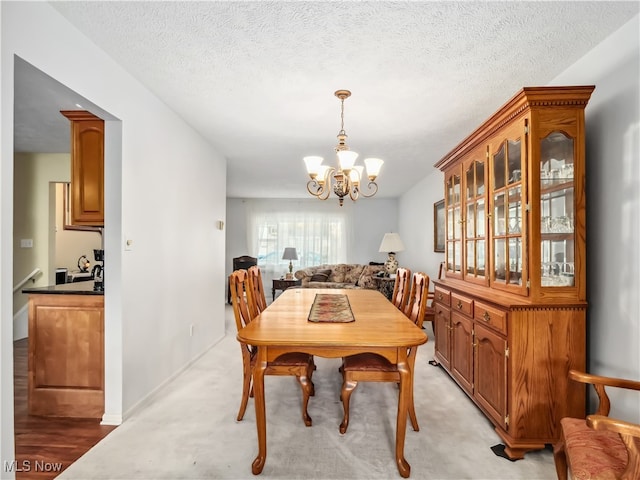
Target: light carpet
{"x":189,"y":431}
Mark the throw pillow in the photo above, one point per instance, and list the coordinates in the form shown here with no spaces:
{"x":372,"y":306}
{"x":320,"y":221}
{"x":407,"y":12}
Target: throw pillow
{"x":320,"y":276}
{"x":366,"y":279}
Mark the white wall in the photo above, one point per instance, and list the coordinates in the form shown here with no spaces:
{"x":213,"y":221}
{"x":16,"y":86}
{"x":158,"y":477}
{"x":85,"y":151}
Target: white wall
{"x":164,"y":188}
{"x":613,"y":207}
{"x":415,"y":221}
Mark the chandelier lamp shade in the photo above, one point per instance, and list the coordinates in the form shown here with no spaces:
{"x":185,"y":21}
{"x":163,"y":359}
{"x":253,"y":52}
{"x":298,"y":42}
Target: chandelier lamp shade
{"x":346,"y":179}
{"x":391,"y":243}
{"x":290,"y":254}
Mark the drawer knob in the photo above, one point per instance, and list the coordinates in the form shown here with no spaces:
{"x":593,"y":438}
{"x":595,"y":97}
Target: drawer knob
{"x":439,"y":296}
{"x":459,"y":305}
{"x":486,"y":316}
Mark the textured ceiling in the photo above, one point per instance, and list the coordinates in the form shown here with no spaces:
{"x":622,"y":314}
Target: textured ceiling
{"x":257,"y":78}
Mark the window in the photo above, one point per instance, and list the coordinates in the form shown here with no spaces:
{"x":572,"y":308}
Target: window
{"x":319,"y":237}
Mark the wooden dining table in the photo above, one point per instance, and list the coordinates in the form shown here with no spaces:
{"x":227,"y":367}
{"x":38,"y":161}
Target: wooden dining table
{"x":378,"y":327}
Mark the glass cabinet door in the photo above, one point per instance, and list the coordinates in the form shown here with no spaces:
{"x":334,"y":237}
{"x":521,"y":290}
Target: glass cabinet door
{"x":557,"y":237}
{"x":454,"y":223}
{"x":475,"y":218}
{"x":507,"y":196}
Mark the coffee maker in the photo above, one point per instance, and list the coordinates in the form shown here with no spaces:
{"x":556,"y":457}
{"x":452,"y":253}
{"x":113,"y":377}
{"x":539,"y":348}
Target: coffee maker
{"x":97,"y":272}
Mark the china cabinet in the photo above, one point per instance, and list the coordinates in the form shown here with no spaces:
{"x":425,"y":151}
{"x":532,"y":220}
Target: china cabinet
{"x":511,"y":308}
{"x":87,"y":168}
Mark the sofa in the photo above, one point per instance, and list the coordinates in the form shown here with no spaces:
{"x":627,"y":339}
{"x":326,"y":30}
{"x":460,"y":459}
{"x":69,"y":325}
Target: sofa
{"x":342,"y":275}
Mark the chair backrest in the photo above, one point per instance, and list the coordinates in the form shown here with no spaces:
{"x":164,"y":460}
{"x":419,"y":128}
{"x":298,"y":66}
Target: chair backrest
{"x":441,"y":270}
{"x":431,"y":310}
{"x":401,"y":288}
{"x":241,"y":298}
{"x":418,"y":298}
{"x":257,"y":289}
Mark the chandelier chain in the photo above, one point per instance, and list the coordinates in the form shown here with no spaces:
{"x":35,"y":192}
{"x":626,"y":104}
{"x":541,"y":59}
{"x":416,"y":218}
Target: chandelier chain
{"x":342,"y":116}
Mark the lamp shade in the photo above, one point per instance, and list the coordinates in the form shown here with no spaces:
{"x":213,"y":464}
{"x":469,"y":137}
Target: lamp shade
{"x":290,"y":253}
{"x":391,"y":242}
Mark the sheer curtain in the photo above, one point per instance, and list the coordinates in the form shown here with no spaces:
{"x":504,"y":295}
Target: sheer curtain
{"x":318,"y":234}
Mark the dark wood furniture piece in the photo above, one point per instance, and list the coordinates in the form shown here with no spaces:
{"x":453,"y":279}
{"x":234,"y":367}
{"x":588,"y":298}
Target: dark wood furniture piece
{"x":599,"y":446}
{"x":87,"y":168}
{"x":283,"y":284}
{"x":241,"y":263}
{"x":369,"y":367}
{"x":66,"y":351}
{"x":379,"y":328}
{"x":511,"y":311}
{"x":385,"y":286}
{"x":291,"y":363}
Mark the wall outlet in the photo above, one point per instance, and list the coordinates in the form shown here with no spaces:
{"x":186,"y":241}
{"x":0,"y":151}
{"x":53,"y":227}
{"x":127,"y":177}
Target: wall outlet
{"x":26,"y":243}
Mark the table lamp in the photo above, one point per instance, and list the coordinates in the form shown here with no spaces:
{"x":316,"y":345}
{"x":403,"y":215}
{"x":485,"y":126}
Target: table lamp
{"x":391,"y":243}
{"x":290,"y":254}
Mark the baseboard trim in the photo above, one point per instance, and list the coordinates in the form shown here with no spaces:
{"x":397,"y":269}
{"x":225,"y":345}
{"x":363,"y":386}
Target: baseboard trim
{"x":111,"y":419}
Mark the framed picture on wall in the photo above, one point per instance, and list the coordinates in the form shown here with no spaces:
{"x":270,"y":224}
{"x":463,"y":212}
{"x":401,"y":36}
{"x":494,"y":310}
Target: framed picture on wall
{"x":438,"y":226}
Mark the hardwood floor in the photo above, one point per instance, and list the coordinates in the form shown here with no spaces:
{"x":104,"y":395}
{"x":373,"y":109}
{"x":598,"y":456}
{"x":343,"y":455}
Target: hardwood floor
{"x":46,"y":446}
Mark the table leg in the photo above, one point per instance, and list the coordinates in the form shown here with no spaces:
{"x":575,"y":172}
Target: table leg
{"x":258,"y":400}
{"x":273,"y":294}
{"x":403,"y":406}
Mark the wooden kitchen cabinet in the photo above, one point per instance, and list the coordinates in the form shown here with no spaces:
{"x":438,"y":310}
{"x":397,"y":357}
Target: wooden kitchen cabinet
{"x":87,"y":168}
{"x":66,"y":353}
{"x":511,"y":321}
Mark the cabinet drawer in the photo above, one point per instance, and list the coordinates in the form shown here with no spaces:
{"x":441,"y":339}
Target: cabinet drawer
{"x":491,"y":317}
{"x":462,"y":304}
{"x":442,"y":295}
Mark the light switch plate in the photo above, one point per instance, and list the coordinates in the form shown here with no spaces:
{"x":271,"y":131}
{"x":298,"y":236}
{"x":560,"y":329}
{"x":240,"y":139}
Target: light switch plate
{"x":26,"y":243}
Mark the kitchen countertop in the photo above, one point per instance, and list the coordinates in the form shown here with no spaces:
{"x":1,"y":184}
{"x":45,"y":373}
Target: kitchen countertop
{"x":75,"y":288}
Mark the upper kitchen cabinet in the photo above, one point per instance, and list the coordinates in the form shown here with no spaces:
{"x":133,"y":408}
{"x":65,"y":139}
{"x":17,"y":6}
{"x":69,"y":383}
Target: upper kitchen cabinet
{"x":87,"y":168}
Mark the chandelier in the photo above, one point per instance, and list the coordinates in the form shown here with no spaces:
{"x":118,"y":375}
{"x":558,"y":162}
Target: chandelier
{"x":347,"y":177}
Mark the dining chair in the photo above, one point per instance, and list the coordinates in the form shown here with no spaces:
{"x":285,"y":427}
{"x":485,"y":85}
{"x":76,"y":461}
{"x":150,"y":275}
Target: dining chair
{"x":259,"y":302}
{"x":240,"y":263}
{"x":299,"y":364}
{"x":430,"y":312}
{"x":401,"y":288}
{"x":599,"y":446}
{"x":369,"y":367}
